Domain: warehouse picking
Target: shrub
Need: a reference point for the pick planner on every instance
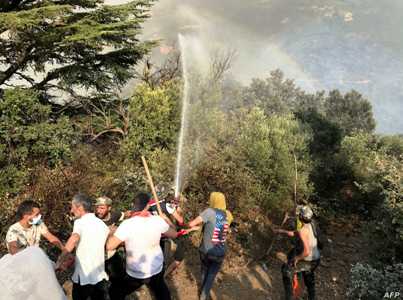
(371, 284)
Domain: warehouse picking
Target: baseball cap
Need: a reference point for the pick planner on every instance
(103, 201)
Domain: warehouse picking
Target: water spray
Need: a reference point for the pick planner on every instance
(185, 100)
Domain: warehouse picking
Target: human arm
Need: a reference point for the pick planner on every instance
(66, 259)
(112, 229)
(53, 240)
(168, 221)
(127, 214)
(178, 216)
(120, 235)
(71, 243)
(13, 247)
(196, 222)
(112, 243)
(12, 241)
(283, 231)
(171, 233)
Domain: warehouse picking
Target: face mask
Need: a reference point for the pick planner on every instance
(36, 220)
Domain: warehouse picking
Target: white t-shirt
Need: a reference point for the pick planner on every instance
(142, 236)
(90, 253)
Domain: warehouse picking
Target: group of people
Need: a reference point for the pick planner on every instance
(118, 252)
(115, 253)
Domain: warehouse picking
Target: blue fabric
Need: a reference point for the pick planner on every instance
(210, 266)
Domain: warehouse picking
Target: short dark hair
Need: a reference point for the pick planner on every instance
(26, 208)
(140, 201)
(83, 200)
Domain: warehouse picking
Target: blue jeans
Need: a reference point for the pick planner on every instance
(210, 265)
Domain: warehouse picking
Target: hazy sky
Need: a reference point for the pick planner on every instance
(321, 44)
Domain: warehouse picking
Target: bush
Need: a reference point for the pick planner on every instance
(378, 177)
(154, 120)
(368, 283)
(29, 135)
(250, 157)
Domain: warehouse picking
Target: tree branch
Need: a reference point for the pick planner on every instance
(25, 77)
(21, 62)
(118, 130)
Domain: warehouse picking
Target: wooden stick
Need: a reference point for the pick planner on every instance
(296, 180)
(151, 183)
(276, 237)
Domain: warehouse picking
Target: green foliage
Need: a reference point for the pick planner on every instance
(71, 45)
(387, 225)
(368, 283)
(379, 179)
(154, 120)
(392, 144)
(269, 145)
(323, 146)
(351, 112)
(275, 94)
(358, 152)
(29, 135)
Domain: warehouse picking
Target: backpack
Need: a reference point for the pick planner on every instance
(318, 235)
(219, 234)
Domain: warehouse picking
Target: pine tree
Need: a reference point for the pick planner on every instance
(74, 47)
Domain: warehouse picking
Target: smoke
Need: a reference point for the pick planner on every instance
(321, 44)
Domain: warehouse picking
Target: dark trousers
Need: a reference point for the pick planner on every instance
(210, 266)
(126, 286)
(308, 273)
(115, 266)
(97, 291)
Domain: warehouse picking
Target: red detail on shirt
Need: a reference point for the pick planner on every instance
(216, 234)
(142, 213)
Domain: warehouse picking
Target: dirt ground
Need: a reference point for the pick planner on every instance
(262, 280)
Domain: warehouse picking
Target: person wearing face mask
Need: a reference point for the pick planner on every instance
(29, 229)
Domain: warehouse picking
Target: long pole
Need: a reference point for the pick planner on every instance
(151, 183)
(296, 180)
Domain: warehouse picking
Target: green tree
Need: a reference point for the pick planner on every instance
(324, 144)
(275, 94)
(28, 135)
(268, 146)
(70, 46)
(393, 144)
(351, 112)
(153, 119)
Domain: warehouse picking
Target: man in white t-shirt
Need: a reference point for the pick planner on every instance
(144, 259)
(89, 237)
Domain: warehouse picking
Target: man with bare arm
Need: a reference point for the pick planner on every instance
(305, 257)
(29, 229)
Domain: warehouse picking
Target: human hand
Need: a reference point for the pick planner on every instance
(194, 228)
(112, 229)
(278, 230)
(65, 261)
